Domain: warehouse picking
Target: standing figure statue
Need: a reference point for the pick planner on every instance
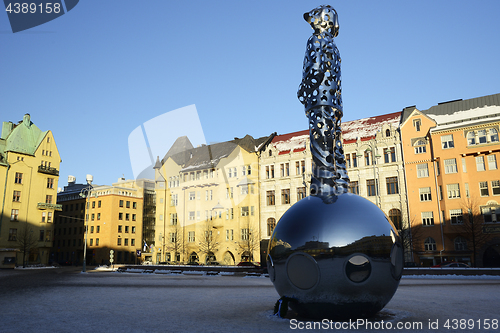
(320, 92)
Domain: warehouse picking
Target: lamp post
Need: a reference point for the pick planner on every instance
(85, 193)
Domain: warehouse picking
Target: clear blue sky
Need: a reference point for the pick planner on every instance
(98, 72)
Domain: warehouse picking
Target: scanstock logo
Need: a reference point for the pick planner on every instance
(31, 13)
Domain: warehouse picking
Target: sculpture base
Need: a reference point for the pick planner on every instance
(337, 260)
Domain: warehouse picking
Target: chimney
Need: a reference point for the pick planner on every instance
(7, 127)
(27, 120)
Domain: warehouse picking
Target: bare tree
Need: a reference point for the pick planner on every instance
(472, 225)
(209, 241)
(411, 237)
(176, 242)
(250, 240)
(27, 240)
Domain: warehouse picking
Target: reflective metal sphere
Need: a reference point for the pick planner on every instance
(338, 260)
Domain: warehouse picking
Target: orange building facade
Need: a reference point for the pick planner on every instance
(453, 181)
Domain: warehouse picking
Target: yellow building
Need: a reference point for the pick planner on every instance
(29, 173)
(208, 202)
(114, 215)
(450, 153)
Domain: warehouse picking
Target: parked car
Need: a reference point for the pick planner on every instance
(447, 264)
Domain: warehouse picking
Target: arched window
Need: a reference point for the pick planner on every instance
(271, 224)
(493, 135)
(395, 216)
(270, 152)
(430, 244)
(419, 147)
(387, 132)
(460, 244)
(471, 138)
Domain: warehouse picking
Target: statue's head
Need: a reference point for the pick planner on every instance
(323, 19)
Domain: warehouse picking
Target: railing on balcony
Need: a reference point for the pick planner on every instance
(44, 205)
(48, 170)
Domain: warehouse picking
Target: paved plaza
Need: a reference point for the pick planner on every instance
(65, 300)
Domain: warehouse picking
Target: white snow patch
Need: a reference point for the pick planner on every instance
(466, 114)
(35, 267)
(351, 130)
(295, 142)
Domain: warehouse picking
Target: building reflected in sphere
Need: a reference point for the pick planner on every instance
(335, 260)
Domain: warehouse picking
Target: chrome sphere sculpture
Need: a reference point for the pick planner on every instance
(333, 254)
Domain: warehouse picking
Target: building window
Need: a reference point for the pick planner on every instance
(121, 203)
(447, 141)
(427, 218)
(395, 216)
(127, 204)
(244, 211)
(173, 199)
(297, 168)
(430, 244)
(353, 187)
(481, 135)
(417, 123)
(456, 216)
(127, 217)
(92, 217)
(271, 224)
(348, 160)
(17, 196)
(98, 228)
(119, 229)
(471, 138)
(133, 229)
(191, 215)
(480, 163)
(125, 242)
(495, 187)
(387, 132)
(282, 170)
(118, 241)
(425, 194)
(244, 189)
(420, 147)
(50, 182)
(491, 213)
(13, 234)
(126, 229)
(303, 166)
(48, 199)
(392, 185)
(191, 237)
(390, 155)
(450, 166)
(270, 198)
(192, 196)
(301, 193)
(92, 241)
(229, 234)
(244, 234)
(460, 244)
(483, 189)
(93, 204)
(173, 237)
(19, 178)
(120, 216)
(173, 219)
(492, 162)
(98, 216)
(134, 205)
(354, 161)
(267, 172)
(43, 216)
(464, 166)
(370, 186)
(422, 170)
(453, 191)
(285, 196)
(272, 171)
(367, 157)
(14, 215)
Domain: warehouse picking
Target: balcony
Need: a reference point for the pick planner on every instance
(48, 170)
(43, 205)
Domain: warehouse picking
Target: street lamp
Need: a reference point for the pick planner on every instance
(85, 193)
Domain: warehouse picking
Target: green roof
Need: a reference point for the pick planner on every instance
(23, 138)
